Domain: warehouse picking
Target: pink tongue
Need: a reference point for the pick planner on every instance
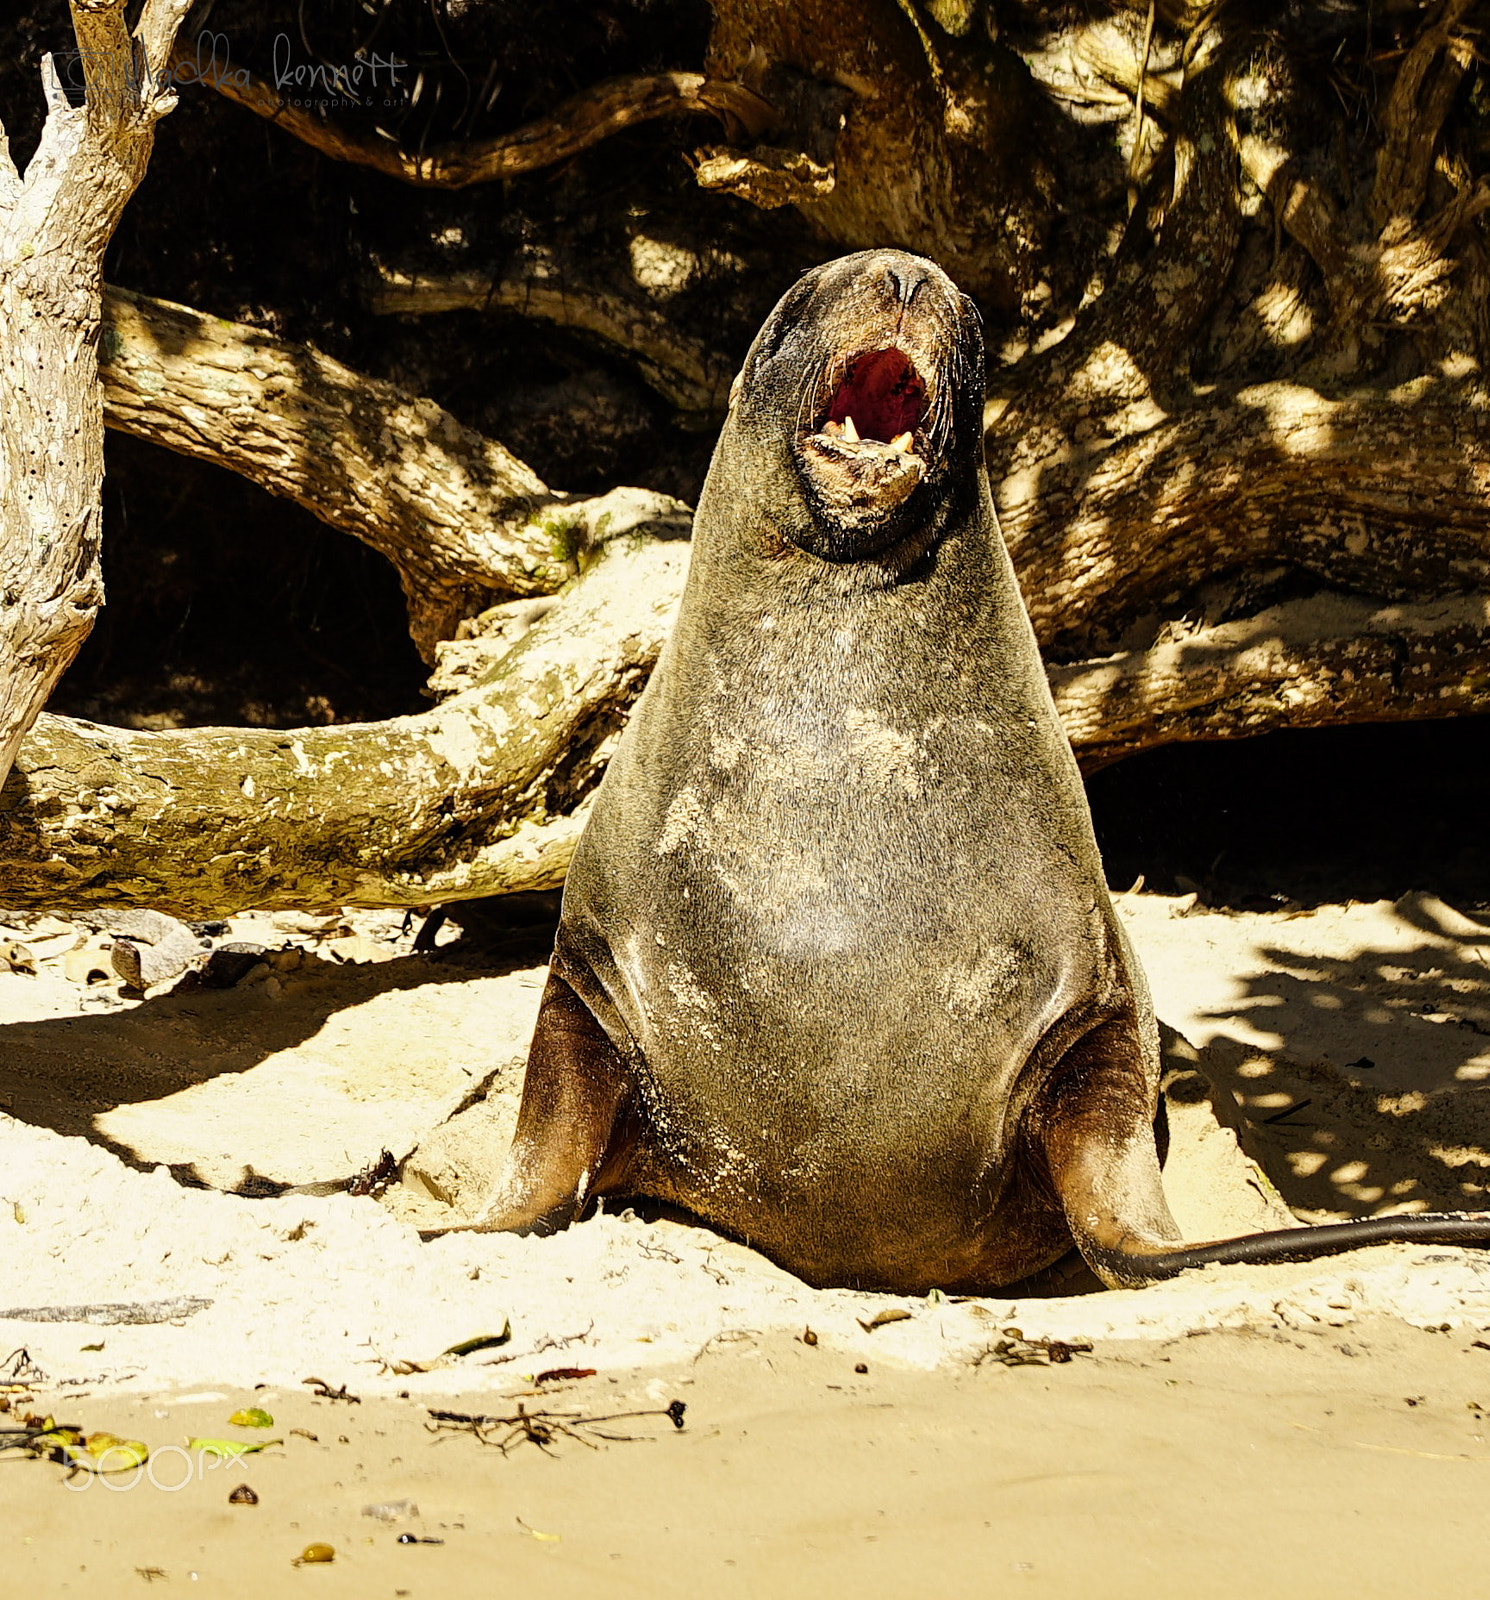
(882, 394)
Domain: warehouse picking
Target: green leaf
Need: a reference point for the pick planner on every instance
(251, 1417)
(482, 1341)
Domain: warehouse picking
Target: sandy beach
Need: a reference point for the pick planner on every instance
(1315, 1425)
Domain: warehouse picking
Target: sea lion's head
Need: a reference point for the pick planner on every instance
(868, 377)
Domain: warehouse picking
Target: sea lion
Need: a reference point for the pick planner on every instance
(836, 968)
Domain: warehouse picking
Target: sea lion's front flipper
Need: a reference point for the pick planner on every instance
(573, 1133)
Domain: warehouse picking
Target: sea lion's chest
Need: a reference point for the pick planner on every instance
(822, 871)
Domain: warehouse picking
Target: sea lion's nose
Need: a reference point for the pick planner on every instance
(906, 279)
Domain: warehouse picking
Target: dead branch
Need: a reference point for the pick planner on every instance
(1104, 48)
(767, 176)
(55, 222)
(462, 520)
(482, 795)
(575, 125)
(684, 371)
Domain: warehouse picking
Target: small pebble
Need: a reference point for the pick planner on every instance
(243, 1496)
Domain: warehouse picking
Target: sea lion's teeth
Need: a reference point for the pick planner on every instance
(834, 428)
(850, 432)
(901, 442)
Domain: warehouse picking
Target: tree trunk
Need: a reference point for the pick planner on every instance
(892, 131)
(55, 222)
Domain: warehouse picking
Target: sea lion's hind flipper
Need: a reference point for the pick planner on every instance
(574, 1129)
(1099, 1153)
(1093, 1123)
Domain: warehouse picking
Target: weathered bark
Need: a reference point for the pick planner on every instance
(463, 521)
(1383, 492)
(900, 135)
(581, 121)
(684, 371)
(1380, 263)
(1310, 663)
(55, 221)
(482, 795)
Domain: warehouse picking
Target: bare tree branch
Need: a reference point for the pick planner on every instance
(1123, 349)
(462, 520)
(160, 22)
(684, 371)
(1422, 92)
(575, 125)
(486, 794)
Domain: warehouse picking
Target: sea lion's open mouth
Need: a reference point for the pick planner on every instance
(880, 400)
(868, 445)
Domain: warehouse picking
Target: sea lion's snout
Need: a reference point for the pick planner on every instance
(882, 344)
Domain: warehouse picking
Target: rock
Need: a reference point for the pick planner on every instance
(230, 964)
(151, 948)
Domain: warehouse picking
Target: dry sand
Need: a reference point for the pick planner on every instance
(1230, 1432)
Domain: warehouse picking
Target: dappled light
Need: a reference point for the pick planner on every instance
(1355, 1041)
